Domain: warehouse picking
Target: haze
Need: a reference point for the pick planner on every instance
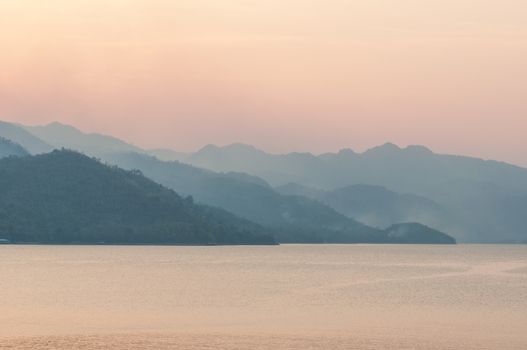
(284, 75)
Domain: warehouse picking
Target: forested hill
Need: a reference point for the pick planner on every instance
(65, 197)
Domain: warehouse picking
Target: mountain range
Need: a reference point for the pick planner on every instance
(252, 198)
(64, 197)
(484, 201)
(472, 199)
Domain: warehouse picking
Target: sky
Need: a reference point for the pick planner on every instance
(283, 75)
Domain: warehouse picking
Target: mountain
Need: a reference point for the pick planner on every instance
(476, 190)
(66, 197)
(276, 169)
(64, 136)
(252, 199)
(27, 140)
(297, 166)
(379, 207)
(414, 169)
(9, 148)
(294, 219)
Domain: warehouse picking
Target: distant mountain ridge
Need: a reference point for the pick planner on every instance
(480, 196)
(60, 135)
(479, 192)
(64, 197)
(333, 170)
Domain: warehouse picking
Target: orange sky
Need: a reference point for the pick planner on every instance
(313, 75)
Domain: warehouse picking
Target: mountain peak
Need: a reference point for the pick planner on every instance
(391, 149)
(346, 152)
(387, 148)
(208, 148)
(390, 146)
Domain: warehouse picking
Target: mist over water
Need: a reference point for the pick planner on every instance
(278, 297)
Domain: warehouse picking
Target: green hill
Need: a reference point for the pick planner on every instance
(65, 197)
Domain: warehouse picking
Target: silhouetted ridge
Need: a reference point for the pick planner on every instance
(476, 196)
(347, 152)
(387, 149)
(65, 136)
(66, 197)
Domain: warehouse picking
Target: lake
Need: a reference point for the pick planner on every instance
(264, 297)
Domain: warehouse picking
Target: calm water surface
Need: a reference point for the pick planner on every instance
(283, 297)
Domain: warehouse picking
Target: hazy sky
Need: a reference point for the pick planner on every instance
(314, 75)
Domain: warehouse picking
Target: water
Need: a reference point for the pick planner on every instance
(283, 297)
